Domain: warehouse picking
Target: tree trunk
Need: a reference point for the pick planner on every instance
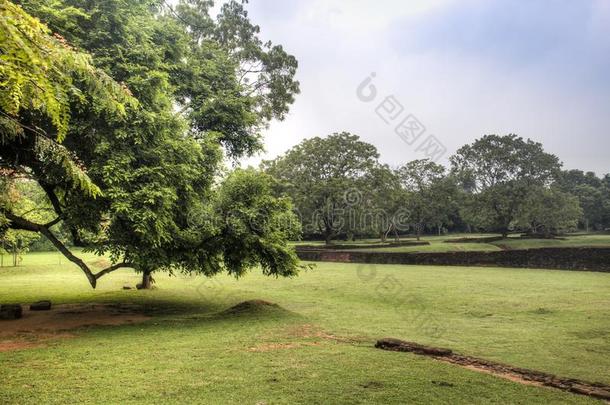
(386, 232)
(147, 280)
(329, 232)
(418, 231)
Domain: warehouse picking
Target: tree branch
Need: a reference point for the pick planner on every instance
(112, 268)
(52, 223)
(26, 225)
(50, 192)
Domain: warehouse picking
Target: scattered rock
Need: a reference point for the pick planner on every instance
(372, 385)
(11, 311)
(402, 346)
(127, 287)
(41, 306)
(442, 383)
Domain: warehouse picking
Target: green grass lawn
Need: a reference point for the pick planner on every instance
(568, 241)
(437, 246)
(554, 321)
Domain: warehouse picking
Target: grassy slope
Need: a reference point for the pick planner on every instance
(570, 241)
(549, 320)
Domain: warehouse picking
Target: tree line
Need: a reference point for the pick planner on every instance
(498, 184)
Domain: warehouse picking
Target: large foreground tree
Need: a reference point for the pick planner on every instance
(159, 168)
(44, 79)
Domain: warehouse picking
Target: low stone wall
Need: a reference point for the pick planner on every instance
(582, 259)
(367, 246)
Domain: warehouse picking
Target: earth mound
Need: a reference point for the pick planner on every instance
(253, 307)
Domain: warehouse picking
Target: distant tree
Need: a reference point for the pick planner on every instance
(606, 202)
(590, 192)
(430, 195)
(591, 200)
(444, 206)
(17, 196)
(499, 172)
(328, 180)
(385, 213)
(549, 211)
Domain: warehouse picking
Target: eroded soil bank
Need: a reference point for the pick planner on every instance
(520, 375)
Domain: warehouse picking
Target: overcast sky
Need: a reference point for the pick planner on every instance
(462, 68)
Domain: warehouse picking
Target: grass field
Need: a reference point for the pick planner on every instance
(568, 241)
(318, 347)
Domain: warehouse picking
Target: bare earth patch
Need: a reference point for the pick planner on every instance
(10, 345)
(38, 327)
(298, 336)
(268, 347)
(316, 336)
(308, 331)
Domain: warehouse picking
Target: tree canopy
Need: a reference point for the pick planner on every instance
(158, 164)
(498, 173)
(43, 78)
(431, 196)
(328, 179)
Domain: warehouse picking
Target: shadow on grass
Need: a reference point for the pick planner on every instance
(122, 320)
(181, 315)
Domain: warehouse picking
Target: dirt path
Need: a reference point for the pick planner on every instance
(38, 327)
(516, 374)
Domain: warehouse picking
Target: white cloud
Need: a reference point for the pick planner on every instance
(364, 15)
(459, 94)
